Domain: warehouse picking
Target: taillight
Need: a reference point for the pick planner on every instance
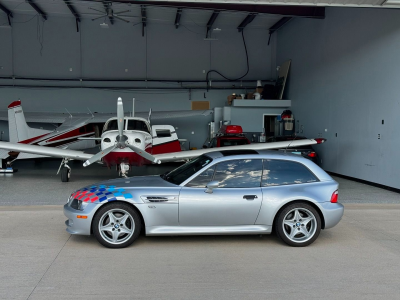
(312, 154)
(320, 140)
(335, 196)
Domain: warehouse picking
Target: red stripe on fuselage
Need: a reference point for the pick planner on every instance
(28, 141)
(69, 134)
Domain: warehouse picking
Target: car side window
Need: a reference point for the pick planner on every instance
(201, 180)
(240, 173)
(283, 172)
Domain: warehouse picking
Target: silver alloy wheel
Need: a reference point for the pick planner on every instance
(299, 225)
(116, 226)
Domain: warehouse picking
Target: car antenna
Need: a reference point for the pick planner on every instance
(295, 135)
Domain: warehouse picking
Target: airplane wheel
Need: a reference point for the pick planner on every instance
(65, 174)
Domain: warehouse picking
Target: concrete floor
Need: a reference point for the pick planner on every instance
(358, 259)
(36, 183)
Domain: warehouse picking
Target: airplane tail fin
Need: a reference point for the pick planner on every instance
(19, 130)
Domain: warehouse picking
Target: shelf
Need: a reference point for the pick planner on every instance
(261, 103)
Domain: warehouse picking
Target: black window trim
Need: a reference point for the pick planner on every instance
(268, 159)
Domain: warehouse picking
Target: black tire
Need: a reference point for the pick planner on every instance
(65, 174)
(313, 227)
(115, 208)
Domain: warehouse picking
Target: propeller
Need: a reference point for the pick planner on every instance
(122, 141)
(144, 154)
(99, 155)
(120, 115)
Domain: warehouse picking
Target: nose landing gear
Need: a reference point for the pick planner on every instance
(123, 169)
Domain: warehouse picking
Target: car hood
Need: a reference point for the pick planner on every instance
(135, 182)
(119, 189)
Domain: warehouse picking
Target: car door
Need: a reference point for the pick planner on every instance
(236, 201)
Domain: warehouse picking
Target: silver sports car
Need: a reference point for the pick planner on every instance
(222, 192)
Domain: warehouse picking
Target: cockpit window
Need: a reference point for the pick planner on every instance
(113, 125)
(132, 125)
(137, 125)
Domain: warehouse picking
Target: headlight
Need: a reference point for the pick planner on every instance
(78, 204)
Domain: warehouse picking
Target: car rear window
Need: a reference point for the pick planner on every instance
(283, 172)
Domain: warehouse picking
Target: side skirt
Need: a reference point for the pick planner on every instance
(208, 230)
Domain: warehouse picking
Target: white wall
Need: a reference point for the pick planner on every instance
(345, 77)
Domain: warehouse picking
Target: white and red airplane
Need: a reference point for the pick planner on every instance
(84, 131)
(125, 142)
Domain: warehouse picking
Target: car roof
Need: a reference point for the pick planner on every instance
(269, 154)
(241, 153)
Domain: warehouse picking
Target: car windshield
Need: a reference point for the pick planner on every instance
(182, 173)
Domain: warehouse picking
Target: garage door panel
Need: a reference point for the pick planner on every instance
(51, 52)
(106, 53)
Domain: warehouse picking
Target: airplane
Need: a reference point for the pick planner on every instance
(83, 131)
(131, 141)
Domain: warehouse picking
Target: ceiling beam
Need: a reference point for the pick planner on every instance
(211, 21)
(249, 18)
(178, 17)
(6, 10)
(143, 10)
(277, 25)
(73, 10)
(38, 10)
(284, 10)
(107, 7)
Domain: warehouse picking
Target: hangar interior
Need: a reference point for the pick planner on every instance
(57, 61)
(197, 58)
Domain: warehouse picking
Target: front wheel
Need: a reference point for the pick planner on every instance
(116, 225)
(298, 225)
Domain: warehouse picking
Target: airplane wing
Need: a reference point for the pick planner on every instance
(175, 156)
(59, 118)
(46, 151)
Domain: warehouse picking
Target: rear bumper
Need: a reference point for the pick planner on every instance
(77, 225)
(333, 213)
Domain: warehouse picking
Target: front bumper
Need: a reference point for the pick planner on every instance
(333, 213)
(77, 225)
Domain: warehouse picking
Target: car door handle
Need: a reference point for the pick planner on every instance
(250, 197)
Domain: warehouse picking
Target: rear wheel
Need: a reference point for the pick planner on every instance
(116, 225)
(65, 174)
(298, 225)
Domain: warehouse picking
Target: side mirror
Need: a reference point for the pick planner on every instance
(210, 186)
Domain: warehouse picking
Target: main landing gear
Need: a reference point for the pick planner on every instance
(64, 170)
